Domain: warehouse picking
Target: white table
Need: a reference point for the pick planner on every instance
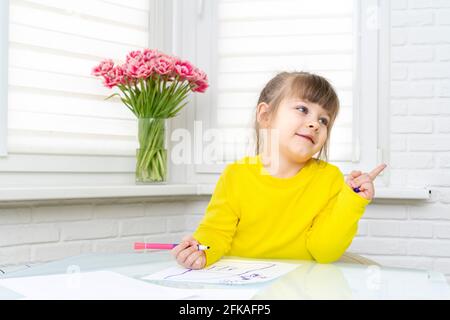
(309, 281)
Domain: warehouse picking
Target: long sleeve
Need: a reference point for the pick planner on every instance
(334, 228)
(219, 223)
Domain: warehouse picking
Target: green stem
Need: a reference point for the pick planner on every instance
(151, 165)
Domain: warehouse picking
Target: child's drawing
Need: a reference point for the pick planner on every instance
(227, 271)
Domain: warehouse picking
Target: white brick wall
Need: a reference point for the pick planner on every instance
(41, 233)
(416, 234)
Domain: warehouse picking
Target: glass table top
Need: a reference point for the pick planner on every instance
(310, 280)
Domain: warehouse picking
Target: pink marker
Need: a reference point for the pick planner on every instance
(162, 246)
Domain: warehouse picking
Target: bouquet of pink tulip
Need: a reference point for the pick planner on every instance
(154, 87)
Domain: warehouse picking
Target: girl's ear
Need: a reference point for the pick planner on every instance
(263, 114)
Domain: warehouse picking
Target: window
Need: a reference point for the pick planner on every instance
(4, 14)
(242, 44)
(61, 131)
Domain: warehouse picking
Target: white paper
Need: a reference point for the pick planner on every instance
(227, 271)
(98, 285)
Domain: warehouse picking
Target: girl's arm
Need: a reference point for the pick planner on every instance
(219, 223)
(336, 225)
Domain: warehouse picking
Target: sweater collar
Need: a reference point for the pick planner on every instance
(301, 177)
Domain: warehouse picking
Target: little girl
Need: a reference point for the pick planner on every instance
(283, 203)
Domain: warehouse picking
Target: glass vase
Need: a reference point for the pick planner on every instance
(151, 157)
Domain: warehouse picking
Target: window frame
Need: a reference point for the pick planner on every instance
(16, 166)
(4, 53)
(371, 84)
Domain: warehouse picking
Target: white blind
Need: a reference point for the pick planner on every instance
(257, 39)
(55, 105)
(4, 32)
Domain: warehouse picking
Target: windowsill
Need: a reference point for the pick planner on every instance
(164, 190)
(380, 192)
(97, 192)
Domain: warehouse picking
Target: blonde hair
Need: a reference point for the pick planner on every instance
(305, 86)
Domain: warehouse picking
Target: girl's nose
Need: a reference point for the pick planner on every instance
(313, 125)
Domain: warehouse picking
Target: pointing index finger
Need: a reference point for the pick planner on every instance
(375, 172)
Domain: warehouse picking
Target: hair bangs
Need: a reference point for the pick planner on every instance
(314, 89)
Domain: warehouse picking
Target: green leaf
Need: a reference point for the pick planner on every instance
(114, 94)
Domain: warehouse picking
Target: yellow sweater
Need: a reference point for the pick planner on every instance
(310, 216)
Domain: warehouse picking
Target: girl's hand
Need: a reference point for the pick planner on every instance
(187, 254)
(364, 181)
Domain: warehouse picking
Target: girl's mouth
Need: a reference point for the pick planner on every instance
(305, 137)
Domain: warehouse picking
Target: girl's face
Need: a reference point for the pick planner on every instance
(302, 129)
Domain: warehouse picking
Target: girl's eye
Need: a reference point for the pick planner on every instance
(324, 121)
(303, 108)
